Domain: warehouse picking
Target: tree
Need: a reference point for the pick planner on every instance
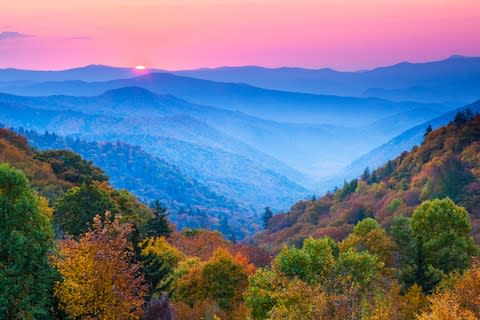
(369, 236)
(407, 253)
(100, 280)
(366, 174)
(158, 226)
(294, 263)
(69, 166)
(77, 207)
(224, 279)
(267, 215)
(361, 268)
(158, 309)
(261, 296)
(428, 130)
(26, 237)
(441, 230)
(159, 259)
(445, 306)
(217, 283)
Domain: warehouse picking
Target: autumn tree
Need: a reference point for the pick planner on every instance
(99, 279)
(369, 236)
(26, 237)
(445, 306)
(216, 284)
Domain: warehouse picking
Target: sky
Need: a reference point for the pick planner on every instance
(185, 34)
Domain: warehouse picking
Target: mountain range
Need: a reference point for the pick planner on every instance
(455, 79)
(237, 138)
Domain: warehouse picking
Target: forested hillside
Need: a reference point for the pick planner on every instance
(444, 165)
(151, 179)
(95, 252)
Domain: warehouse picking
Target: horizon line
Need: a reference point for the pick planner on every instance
(158, 69)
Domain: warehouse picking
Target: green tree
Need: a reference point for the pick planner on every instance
(293, 262)
(406, 249)
(261, 295)
(369, 236)
(26, 237)
(362, 268)
(158, 226)
(76, 208)
(441, 230)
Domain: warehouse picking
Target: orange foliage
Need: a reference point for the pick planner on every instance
(198, 243)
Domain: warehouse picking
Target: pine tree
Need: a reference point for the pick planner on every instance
(158, 226)
(428, 130)
(26, 237)
(267, 215)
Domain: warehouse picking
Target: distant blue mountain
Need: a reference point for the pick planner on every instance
(456, 79)
(314, 149)
(225, 165)
(87, 73)
(274, 105)
(403, 142)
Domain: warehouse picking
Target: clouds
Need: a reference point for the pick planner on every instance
(8, 35)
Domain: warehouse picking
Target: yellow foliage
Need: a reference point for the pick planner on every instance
(99, 281)
(159, 246)
(44, 208)
(412, 303)
(299, 301)
(445, 306)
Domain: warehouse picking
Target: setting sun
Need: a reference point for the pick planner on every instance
(140, 67)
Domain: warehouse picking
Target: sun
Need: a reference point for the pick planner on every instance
(140, 67)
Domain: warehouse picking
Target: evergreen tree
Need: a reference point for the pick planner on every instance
(366, 174)
(267, 215)
(26, 237)
(158, 226)
(428, 130)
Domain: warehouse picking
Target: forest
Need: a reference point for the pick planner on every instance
(400, 242)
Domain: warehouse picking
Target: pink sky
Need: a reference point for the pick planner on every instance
(180, 34)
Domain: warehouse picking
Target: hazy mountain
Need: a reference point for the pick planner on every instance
(403, 142)
(274, 105)
(456, 79)
(228, 166)
(87, 73)
(323, 150)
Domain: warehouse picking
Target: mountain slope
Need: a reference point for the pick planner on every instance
(446, 164)
(401, 143)
(151, 178)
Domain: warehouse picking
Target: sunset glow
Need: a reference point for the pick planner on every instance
(140, 67)
(168, 34)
